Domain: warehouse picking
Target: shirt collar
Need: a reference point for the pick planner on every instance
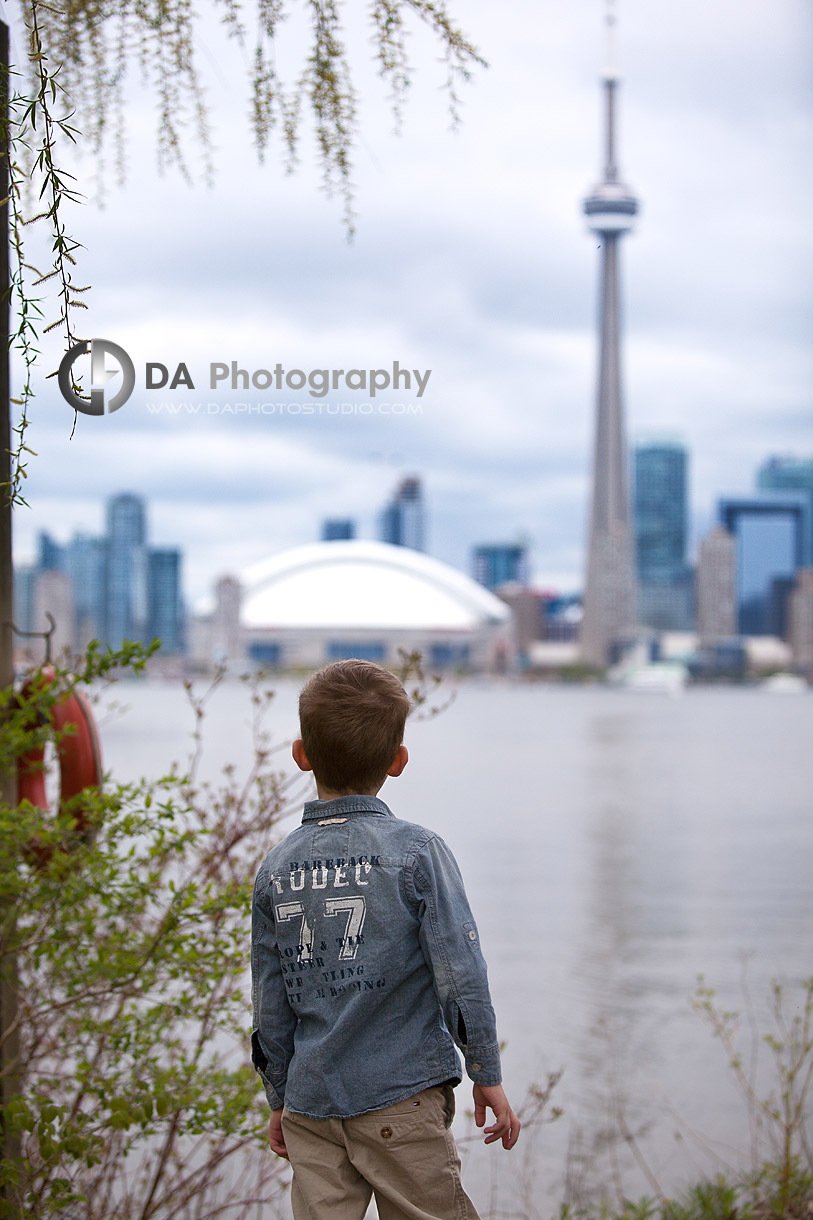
(344, 806)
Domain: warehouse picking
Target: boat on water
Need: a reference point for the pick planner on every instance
(663, 677)
(785, 684)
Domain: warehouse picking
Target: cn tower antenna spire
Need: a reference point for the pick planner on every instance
(610, 64)
(610, 78)
(609, 595)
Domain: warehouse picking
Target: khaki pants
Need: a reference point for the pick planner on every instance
(405, 1155)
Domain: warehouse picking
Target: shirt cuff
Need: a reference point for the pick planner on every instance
(274, 1100)
(483, 1064)
(275, 1095)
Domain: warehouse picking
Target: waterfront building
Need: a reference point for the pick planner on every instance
(716, 579)
(402, 519)
(51, 556)
(495, 564)
(53, 594)
(24, 583)
(227, 645)
(609, 596)
(338, 529)
(85, 563)
(165, 608)
(563, 617)
(660, 512)
(384, 599)
(781, 474)
(800, 621)
(528, 608)
(126, 594)
(771, 533)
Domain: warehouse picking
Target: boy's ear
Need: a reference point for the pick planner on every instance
(299, 756)
(399, 762)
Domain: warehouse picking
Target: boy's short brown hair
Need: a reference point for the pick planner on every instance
(351, 717)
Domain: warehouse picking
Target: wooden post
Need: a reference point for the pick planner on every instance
(9, 1036)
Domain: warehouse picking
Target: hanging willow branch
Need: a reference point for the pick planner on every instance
(97, 48)
(38, 124)
(81, 54)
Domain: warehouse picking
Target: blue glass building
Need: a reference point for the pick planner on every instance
(781, 474)
(126, 598)
(165, 610)
(24, 582)
(402, 520)
(772, 534)
(85, 563)
(498, 564)
(660, 513)
(51, 556)
(338, 529)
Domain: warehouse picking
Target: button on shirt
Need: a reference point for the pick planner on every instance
(366, 965)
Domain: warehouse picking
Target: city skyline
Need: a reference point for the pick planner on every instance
(471, 260)
(109, 587)
(777, 541)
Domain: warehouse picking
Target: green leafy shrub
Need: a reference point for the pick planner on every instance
(124, 957)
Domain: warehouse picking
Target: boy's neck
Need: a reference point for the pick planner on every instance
(325, 794)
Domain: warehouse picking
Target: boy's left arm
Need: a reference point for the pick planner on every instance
(451, 944)
(274, 1021)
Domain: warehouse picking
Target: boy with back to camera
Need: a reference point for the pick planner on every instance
(366, 969)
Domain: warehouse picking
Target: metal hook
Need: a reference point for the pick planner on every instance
(41, 635)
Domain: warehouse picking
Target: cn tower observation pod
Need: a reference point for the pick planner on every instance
(610, 208)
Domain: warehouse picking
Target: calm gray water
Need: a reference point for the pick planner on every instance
(615, 846)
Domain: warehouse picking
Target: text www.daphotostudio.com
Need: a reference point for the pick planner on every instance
(282, 409)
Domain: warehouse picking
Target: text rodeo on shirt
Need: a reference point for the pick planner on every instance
(309, 961)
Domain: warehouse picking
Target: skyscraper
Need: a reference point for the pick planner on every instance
(402, 520)
(609, 597)
(500, 564)
(790, 474)
(165, 611)
(126, 600)
(227, 637)
(51, 554)
(338, 529)
(25, 580)
(660, 509)
(85, 562)
(771, 533)
(717, 587)
(800, 621)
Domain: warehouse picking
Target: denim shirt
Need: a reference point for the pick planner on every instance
(366, 965)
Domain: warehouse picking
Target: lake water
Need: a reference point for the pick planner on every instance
(615, 846)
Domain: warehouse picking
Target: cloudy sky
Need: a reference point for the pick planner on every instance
(472, 260)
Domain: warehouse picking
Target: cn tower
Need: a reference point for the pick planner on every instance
(609, 595)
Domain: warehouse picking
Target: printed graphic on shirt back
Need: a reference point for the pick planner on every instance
(322, 954)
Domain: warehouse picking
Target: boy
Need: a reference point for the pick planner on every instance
(365, 967)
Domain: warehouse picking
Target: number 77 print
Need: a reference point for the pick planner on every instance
(354, 907)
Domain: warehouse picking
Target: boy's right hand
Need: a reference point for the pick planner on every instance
(275, 1137)
(506, 1125)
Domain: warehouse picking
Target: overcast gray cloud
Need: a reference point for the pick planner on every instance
(471, 260)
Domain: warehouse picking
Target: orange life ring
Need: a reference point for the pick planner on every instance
(78, 751)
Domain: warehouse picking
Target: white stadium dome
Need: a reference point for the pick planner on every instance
(312, 604)
(366, 585)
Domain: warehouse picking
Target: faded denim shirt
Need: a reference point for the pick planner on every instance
(366, 965)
